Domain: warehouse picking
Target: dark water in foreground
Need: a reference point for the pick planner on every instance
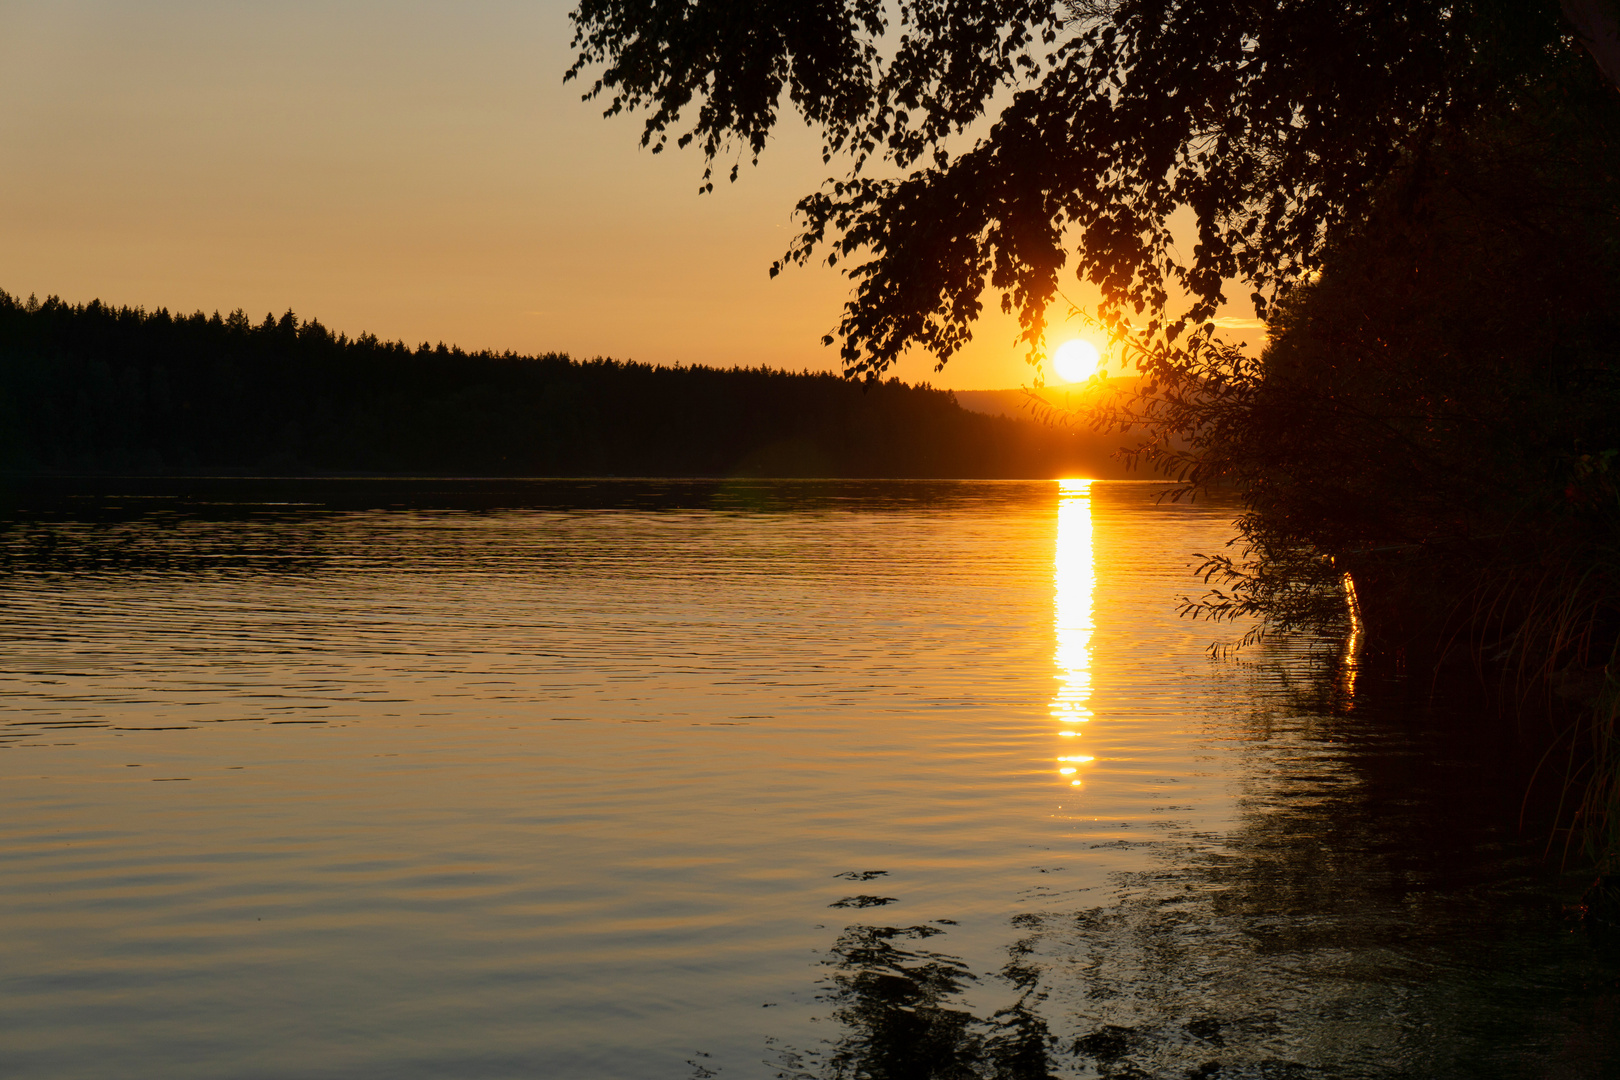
(647, 780)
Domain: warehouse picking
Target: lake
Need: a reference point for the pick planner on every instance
(665, 779)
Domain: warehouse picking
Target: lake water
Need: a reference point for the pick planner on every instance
(633, 779)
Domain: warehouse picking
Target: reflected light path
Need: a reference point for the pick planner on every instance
(1075, 576)
(1350, 659)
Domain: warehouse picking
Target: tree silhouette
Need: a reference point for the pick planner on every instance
(1272, 123)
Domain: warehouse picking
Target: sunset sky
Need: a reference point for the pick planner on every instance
(416, 170)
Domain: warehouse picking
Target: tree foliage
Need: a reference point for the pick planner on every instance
(1438, 410)
(1269, 122)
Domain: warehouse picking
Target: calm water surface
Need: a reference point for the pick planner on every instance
(646, 780)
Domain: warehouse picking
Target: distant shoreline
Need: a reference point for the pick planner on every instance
(93, 390)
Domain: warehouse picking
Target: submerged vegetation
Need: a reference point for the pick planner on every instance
(94, 389)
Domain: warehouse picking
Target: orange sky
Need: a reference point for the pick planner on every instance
(417, 170)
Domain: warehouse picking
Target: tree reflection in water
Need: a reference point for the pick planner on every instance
(900, 1007)
(1378, 912)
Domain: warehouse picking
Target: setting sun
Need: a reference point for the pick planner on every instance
(1076, 360)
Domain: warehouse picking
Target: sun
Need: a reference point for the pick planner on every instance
(1076, 360)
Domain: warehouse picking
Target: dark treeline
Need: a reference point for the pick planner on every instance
(90, 388)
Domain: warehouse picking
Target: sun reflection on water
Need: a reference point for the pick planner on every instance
(1075, 576)
(1350, 659)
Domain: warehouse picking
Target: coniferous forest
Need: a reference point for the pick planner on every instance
(90, 388)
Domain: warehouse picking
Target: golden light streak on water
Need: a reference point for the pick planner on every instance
(1075, 577)
(1350, 661)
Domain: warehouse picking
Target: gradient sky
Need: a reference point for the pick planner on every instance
(416, 170)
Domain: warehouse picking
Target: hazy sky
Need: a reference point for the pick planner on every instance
(417, 170)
